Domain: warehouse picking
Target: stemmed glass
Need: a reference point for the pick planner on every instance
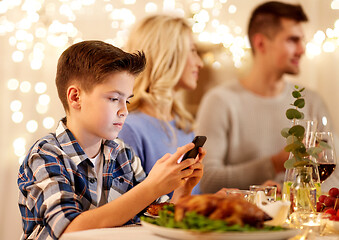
(327, 160)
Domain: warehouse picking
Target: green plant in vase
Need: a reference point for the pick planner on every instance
(302, 192)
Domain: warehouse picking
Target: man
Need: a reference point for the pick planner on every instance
(243, 119)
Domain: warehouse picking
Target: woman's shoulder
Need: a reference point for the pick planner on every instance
(139, 122)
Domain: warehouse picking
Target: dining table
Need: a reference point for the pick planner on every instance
(139, 232)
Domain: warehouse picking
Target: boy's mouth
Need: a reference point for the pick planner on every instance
(118, 125)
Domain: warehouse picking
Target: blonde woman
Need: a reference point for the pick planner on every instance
(158, 123)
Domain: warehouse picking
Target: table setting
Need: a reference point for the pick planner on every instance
(303, 212)
(270, 219)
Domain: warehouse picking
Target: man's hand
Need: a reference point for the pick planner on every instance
(278, 161)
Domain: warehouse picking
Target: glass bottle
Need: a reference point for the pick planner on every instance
(309, 141)
(303, 193)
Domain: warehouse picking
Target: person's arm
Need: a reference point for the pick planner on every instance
(165, 176)
(214, 120)
(278, 160)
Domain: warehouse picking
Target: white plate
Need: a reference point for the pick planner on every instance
(175, 233)
(333, 225)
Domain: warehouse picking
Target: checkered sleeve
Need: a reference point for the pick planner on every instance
(135, 162)
(47, 199)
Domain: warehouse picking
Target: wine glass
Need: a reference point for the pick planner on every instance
(327, 160)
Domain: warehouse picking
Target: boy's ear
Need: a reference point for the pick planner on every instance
(73, 97)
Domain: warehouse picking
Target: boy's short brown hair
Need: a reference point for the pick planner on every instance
(88, 63)
(266, 18)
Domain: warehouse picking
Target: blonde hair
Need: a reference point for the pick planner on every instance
(165, 40)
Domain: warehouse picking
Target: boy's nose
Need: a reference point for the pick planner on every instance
(123, 112)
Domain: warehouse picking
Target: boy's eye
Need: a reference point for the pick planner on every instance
(128, 102)
(113, 99)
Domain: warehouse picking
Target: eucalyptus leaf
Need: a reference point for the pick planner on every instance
(297, 131)
(291, 139)
(292, 113)
(300, 103)
(324, 145)
(298, 156)
(284, 132)
(296, 94)
(302, 163)
(293, 146)
(295, 135)
(314, 151)
(288, 164)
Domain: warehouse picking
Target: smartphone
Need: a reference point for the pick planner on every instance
(198, 142)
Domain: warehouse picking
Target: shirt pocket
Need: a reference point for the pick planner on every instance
(120, 185)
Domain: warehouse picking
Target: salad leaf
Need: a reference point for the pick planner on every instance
(197, 222)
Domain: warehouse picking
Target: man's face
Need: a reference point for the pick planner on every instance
(286, 47)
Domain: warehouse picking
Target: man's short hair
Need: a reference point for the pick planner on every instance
(89, 63)
(266, 17)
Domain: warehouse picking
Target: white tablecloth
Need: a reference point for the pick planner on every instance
(132, 233)
(118, 233)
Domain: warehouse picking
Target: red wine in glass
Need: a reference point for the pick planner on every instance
(325, 170)
(327, 158)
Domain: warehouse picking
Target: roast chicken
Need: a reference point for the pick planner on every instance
(232, 209)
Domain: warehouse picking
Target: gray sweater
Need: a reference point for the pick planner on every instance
(243, 132)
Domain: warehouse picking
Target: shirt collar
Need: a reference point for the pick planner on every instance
(73, 149)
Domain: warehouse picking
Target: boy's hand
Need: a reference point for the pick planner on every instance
(192, 180)
(167, 174)
(197, 168)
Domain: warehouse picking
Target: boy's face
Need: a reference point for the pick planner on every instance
(287, 47)
(104, 109)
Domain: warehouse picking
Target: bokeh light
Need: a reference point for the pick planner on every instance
(44, 99)
(41, 109)
(15, 105)
(25, 86)
(19, 146)
(17, 117)
(40, 87)
(48, 122)
(32, 126)
(12, 84)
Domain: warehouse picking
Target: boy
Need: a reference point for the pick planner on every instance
(82, 177)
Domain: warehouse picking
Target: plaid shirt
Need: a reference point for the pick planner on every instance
(57, 181)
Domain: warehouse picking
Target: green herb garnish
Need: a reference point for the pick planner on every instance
(197, 222)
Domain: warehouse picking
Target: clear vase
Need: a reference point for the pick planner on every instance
(309, 141)
(290, 177)
(303, 193)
